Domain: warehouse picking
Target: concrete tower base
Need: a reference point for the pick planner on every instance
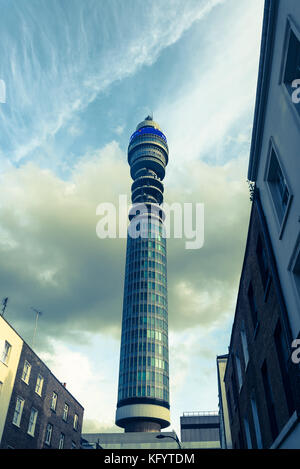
(142, 418)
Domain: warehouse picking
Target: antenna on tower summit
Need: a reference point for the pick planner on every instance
(4, 304)
(38, 313)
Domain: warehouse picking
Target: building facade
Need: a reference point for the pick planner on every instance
(274, 164)
(262, 376)
(225, 433)
(36, 409)
(143, 391)
(261, 380)
(10, 352)
(200, 430)
(130, 440)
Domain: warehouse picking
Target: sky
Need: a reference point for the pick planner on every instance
(79, 77)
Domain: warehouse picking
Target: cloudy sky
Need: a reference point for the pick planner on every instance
(79, 77)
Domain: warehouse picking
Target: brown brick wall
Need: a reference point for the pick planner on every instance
(261, 344)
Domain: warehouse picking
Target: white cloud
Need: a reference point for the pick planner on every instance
(90, 374)
(220, 91)
(67, 85)
(50, 255)
(51, 258)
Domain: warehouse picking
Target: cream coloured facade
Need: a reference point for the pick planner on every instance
(10, 351)
(225, 433)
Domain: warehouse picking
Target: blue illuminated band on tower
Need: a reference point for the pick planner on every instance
(146, 130)
(143, 392)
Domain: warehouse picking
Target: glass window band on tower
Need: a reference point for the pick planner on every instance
(143, 394)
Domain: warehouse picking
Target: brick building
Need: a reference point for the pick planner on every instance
(262, 374)
(262, 382)
(37, 411)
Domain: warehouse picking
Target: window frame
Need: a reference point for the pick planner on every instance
(40, 389)
(65, 413)
(272, 188)
(5, 354)
(54, 399)
(26, 378)
(32, 422)
(269, 399)
(61, 439)
(19, 413)
(48, 440)
(290, 29)
(76, 422)
(293, 270)
(263, 264)
(247, 432)
(256, 421)
(239, 372)
(245, 345)
(253, 307)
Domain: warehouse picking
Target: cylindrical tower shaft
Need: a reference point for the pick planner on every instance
(143, 396)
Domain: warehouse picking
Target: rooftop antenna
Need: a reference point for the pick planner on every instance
(38, 313)
(4, 304)
(150, 116)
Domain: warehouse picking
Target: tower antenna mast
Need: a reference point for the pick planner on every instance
(4, 304)
(38, 313)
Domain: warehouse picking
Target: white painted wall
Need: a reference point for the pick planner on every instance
(283, 124)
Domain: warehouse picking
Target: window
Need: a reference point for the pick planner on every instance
(262, 262)
(48, 436)
(239, 370)
(256, 421)
(66, 412)
(247, 432)
(75, 422)
(294, 267)
(18, 411)
(5, 352)
(283, 358)
(253, 306)
(61, 441)
(291, 65)
(26, 372)
(241, 440)
(53, 401)
(234, 391)
(229, 400)
(39, 385)
(269, 400)
(244, 344)
(279, 189)
(32, 422)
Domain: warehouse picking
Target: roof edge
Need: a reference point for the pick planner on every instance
(264, 70)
